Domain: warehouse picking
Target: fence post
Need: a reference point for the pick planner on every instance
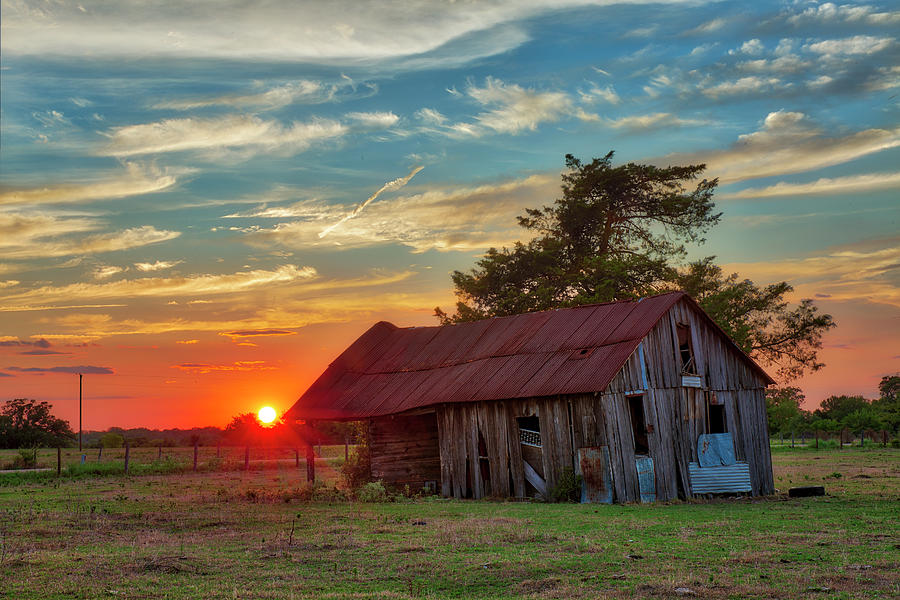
(58, 462)
(883, 438)
(100, 453)
(218, 451)
(246, 458)
(159, 452)
(195, 456)
(346, 448)
(817, 439)
(127, 448)
(296, 458)
(310, 463)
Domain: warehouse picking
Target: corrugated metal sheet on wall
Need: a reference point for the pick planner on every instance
(720, 480)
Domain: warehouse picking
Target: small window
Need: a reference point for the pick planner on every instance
(686, 350)
(638, 424)
(529, 431)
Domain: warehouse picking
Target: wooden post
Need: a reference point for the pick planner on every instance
(862, 437)
(58, 462)
(100, 453)
(195, 456)
(159, 452)
(841, 438)
(296, 458)
(346, 448)
(246, 458)
(34, 457)
(792, 438)
(126, 456)
(884, 438)
(310, 462)
(218, 451)
(817, 439)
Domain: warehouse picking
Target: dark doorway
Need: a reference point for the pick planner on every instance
(716, 414)
(638, 424)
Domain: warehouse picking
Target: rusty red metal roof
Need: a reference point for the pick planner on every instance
(390, 370)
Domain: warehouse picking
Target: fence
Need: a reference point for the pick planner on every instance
(183, 459)
(844, 437)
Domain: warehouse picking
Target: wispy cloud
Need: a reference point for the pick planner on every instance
(164, 287)
(85, 369)
(159, 265)
(652, 121)
(450, 219)
(513, 109)
(257, 333)
(852, 46)
(824, 185)
(390, 186)
(40, 235)
(138, 179)
(829, 12)
(789, 142)
(235, 131)
(240, 365)
(304, 91)
(868, 269)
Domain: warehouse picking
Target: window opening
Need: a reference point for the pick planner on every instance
(686, 350)
(716, 415)
(638, 424)
(529, 431)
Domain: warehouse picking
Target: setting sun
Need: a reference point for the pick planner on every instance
(267, 414)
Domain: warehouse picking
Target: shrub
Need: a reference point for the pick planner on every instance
(567, 488)
(372, 492)
(357, 469)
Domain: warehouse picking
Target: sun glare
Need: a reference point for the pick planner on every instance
(267, 414)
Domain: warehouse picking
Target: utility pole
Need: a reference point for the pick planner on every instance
(80, 375)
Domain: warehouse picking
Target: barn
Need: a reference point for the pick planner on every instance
(646, 399)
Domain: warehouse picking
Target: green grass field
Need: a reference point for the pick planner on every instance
(236, 534)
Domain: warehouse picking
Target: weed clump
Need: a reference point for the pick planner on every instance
(567, 488)
(373, 491)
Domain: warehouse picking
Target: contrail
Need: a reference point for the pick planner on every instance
(388, 187)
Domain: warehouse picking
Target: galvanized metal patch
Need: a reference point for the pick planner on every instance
(594, 468)
(719, 480)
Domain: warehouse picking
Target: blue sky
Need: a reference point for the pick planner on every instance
(175, 173)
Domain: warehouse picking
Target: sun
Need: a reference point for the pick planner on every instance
(267, 414)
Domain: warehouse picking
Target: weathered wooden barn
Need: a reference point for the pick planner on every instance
(647, 399)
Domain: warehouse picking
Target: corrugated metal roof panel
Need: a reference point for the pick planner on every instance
(537, 354)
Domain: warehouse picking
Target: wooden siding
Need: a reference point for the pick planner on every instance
(404, 449)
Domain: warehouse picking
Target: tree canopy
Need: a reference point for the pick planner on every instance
(26, 423)
(619, 233)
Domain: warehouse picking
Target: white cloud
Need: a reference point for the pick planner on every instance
(824, 185)
(832, 13)
(107, 271)
(852, 46)
(138, 179)
(374, 120)
(708, 27)
(340, 31)
(513, 109)
(752, 47)
(656, 120)
(159, 265)
(236, 131)
(431, 116)
(788, 142)
(607, 94)
(744, 85)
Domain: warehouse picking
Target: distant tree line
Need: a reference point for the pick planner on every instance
(855, 413)
(27, 423)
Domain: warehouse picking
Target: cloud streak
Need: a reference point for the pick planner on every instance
(138, 180)
(825, 185)
(390, 186)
